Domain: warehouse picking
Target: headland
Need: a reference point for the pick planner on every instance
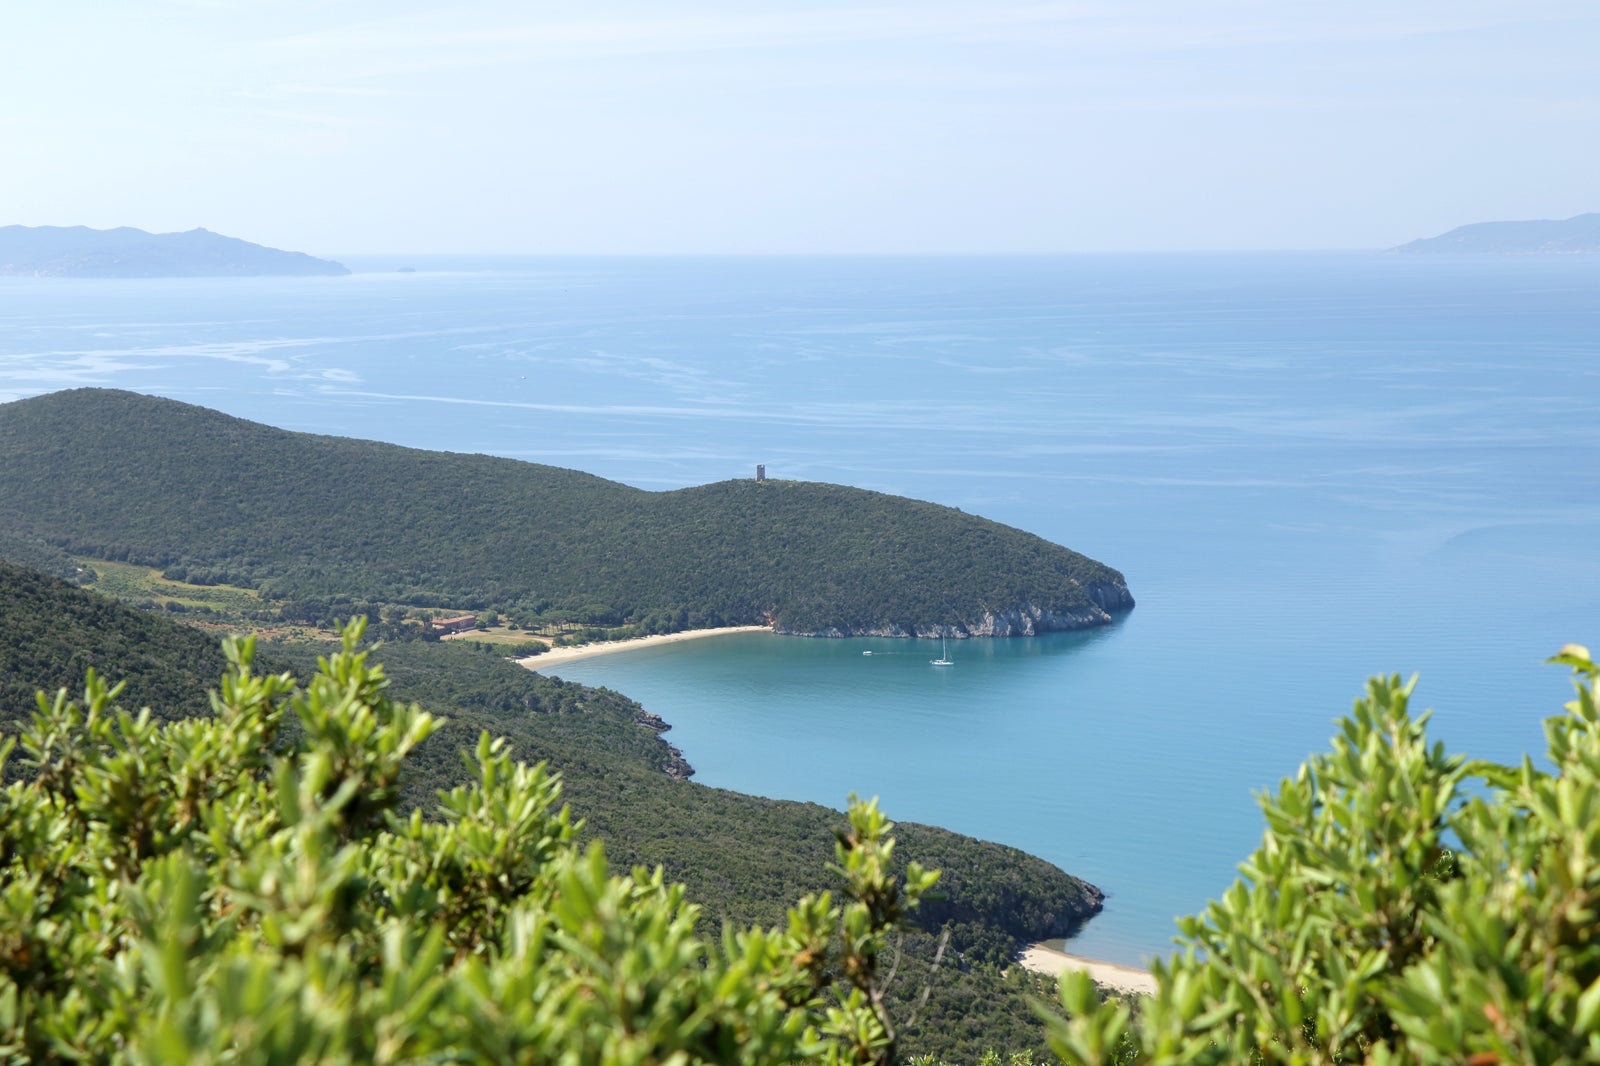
(125, 252)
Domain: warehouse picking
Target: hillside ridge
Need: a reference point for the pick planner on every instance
(114, 475)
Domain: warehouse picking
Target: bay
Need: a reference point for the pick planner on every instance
(1311, 468)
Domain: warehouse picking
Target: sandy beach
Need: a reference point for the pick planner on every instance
(556, 656)
(1041, 959)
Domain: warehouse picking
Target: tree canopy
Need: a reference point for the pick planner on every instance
(51, 634)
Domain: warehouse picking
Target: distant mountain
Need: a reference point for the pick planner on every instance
(1579, 235)
(81, 252)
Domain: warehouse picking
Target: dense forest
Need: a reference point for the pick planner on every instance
(36, 553)
(743, 859)
(304, 519)
(52, 633)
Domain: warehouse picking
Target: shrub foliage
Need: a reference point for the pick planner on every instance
(1405, 906)
(209, 890)
(741, 859)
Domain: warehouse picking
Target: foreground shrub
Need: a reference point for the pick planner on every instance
(1405, 906)
(210, 890)
(241, 888)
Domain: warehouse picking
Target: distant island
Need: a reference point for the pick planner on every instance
(125, 252)
(1579, 235)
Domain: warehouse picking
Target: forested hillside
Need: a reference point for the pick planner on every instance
(34, 552)
(304, 518)
(743, 859)
(52, 633)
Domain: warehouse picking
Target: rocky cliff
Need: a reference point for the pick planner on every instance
(1021, 620)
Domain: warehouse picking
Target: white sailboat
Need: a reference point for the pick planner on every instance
(944, 655)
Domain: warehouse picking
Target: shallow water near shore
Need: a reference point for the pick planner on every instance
(1311, 468)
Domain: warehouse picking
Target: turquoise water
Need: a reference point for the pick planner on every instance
(1311, 468)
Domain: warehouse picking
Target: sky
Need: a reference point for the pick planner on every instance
(799, 126)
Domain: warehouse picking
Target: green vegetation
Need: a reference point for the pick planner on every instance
(55, 633)
(742, 859)
(308, 873)
(204, 891)
(214, 500)
(251, 886)
(145, 586)
(35, 553)
(1406, 906)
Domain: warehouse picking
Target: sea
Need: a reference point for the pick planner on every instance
(1312, 468)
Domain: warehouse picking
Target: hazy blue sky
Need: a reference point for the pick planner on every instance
(347, 126)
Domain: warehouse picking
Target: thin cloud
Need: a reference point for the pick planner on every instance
(434, 35)
(1042, 43)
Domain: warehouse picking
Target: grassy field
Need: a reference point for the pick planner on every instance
(233, 608)
(500, 635)
(145, 586)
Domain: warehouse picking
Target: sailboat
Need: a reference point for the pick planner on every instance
(944, 655)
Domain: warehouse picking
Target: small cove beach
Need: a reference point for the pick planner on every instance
(556, 656)
(1042, 957)
(1045, 959)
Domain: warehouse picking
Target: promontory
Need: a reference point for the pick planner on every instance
(96, 474)
(1579, 235)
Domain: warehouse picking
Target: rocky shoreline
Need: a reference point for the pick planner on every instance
(676, 766)
(1023, 620)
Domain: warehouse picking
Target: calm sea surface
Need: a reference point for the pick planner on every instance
(1311, 469)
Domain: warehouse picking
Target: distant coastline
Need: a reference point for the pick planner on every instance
(1579, 235)
(556, 656)
(125, 252)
